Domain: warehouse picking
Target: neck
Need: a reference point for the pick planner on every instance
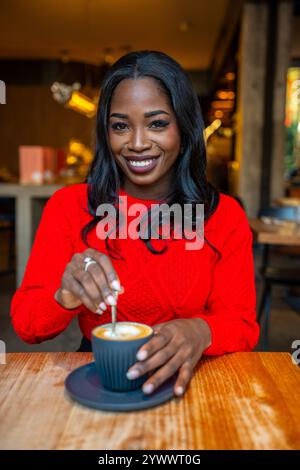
(155, 191)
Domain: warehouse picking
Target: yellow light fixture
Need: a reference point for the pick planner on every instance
(71, 98)
(78, 150)
(71, 160)
(209, 130)
(82, 104)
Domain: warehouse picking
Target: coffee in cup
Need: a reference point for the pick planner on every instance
(115, 352)
(124, 331)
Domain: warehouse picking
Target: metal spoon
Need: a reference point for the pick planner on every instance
(114, 313)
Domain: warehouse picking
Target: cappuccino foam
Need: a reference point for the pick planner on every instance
(123, 331)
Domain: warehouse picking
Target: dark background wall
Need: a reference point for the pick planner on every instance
(32, 117)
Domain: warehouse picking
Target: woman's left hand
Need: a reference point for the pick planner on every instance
(177, 345)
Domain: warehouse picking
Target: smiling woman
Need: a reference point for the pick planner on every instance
(150, 148)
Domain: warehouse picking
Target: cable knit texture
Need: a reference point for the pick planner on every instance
(179, 283)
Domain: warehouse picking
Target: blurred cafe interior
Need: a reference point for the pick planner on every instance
(243, 58)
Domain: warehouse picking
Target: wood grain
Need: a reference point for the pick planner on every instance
(236, 401)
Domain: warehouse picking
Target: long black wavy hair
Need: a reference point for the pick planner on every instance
(190, 185)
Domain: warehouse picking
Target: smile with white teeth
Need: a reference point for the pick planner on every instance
(143, 163)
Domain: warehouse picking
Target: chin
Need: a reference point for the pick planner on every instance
(143, 180)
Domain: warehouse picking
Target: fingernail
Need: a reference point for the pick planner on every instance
(141, 355)
(179, 390)
(111, 300)
(148, 388)
(116, 285)
(99, 311)
(102, 305)
(132, 374)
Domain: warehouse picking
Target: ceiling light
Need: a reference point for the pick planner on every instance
(71, 98)
(82, 104)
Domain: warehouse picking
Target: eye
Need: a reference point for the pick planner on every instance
(158, 124)
(119, 126)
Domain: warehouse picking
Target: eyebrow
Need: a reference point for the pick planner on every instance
(146, 115)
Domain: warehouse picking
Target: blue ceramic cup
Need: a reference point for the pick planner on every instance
(114, 355)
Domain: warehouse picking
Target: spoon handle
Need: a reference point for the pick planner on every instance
(114, 313)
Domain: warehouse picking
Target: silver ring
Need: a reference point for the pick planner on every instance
(88, 260)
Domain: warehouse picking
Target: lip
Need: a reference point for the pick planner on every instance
(140, 159)
(142, 169)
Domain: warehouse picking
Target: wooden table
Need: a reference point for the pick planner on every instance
(236, 401)
(288, 201)
(272, 234)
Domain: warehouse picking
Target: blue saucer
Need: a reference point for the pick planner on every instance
(83, 385)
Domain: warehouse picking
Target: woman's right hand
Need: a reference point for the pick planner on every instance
(94, 287)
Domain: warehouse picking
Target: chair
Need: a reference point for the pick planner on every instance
(7, 223)
(275, 275)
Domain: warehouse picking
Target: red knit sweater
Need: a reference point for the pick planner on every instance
(179, 283)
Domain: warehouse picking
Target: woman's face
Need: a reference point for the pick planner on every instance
(144, 136)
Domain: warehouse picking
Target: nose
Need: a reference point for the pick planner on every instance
(138, 141)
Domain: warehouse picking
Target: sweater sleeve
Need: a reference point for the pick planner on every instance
(36, 315)
(230, 309)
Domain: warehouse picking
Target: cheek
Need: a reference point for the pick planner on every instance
(115, 142)
(171, 141)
